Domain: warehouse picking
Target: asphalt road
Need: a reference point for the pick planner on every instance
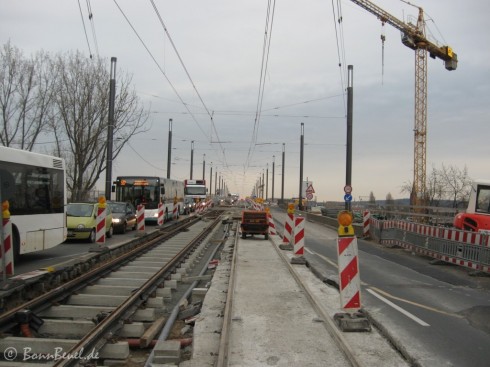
(438, 315)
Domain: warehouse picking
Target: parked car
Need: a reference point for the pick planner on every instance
(82, 221)
(316, 210)
(123, 216)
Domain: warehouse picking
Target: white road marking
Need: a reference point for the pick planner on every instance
(398, 308)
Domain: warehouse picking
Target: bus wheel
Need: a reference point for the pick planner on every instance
(91, 238)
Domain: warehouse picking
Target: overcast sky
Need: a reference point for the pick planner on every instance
(221, 45)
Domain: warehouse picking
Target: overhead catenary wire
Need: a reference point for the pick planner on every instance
(161, 70)
(263, 72)
(85, 29)
(92, 25)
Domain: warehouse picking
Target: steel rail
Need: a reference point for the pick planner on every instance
(225, 331)
(98, 336)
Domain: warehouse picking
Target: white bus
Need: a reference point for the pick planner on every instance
(195, 192)
(35, 187)
(149, 191)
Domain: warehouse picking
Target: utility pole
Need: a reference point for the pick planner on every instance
(204, 166)
(348, 171)
(211, 179)
(169, 154)
(273, 175)
(283, 165)
(192, 157)
(302, 143)
(110, 129)
(267, 183)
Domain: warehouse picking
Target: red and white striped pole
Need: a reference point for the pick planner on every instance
(366, 220)
(299, 236)
(160, 220)
(140, 213)
(100, 221)
(272, 227)
(349, 279)
(7, 246)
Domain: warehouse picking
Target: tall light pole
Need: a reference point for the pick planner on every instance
(267, 183)
(283, 165)
(348, 170)
(204, 166)
(192, 157)
(110, 129)
(169, 154)
(273, 175)
(211, 179)
(302, 143)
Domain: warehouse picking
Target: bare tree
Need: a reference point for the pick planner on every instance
(82, 105)
(25, 97)
(457, 184)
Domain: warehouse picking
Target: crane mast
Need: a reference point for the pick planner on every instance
(413, 36)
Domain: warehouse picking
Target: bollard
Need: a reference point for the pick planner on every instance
(349, 279)
(141, 218)
(299, 241)
(272, 226)
(366, 223)
(287, 235)
(160, 220)
(174, 212)
(7, 252)
(100, 221)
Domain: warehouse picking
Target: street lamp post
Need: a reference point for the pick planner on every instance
(192, 157)
(169, 155)
(110, 129)
(302, 143)
(273, 173)
(283, 165)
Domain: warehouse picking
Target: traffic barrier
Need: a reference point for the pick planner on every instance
(366, 220)
(100, 222)
(463, 248)
(299, 236)
(349, 280)
(288, 229)
(160, 220)
(174, 212)
(272, 226)
(7, 240)
(140, 212)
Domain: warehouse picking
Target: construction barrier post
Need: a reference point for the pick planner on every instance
(299, 241)
(366, 223)
(7, 245)
(140, 212)
(160, 220)
(100, 221)
(349, 279)
(288, 233)
(272, 226)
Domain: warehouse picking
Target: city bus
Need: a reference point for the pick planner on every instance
(195, 192)
(35, 187)
(149, 191)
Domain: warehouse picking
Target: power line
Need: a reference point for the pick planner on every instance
(84, 29)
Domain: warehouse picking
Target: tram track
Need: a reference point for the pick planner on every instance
(85, 317)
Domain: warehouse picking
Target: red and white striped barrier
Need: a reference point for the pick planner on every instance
(7, 243)
(287, 235)
(299, 236)
(349, 279)
(100, 224)
(272, 226)
(174, 212)
(366, 220)
(140, 214)
(160, 219)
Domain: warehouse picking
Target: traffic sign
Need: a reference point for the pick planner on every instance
(309, 196)
(310, 189)
(347, 189)
(347, 197)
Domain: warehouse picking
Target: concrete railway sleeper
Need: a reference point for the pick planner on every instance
(91, 319)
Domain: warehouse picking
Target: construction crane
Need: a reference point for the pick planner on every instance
(413, 36)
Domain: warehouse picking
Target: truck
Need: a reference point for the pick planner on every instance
(195, 193)
(476, 218)
(254, 222)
